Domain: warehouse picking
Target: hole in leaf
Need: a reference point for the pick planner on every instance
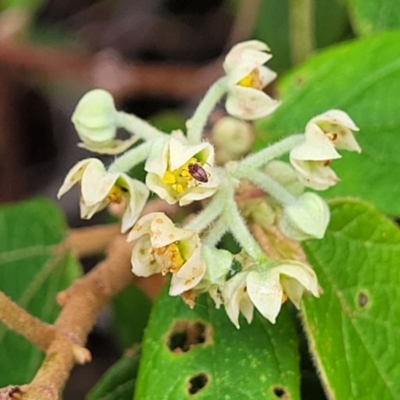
(280, 392)
(197, 382)
(184, 335)
(362, 299)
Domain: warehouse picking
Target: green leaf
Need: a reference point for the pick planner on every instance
(118, 382)
(372, 16)
(32, 5)
(31, 275)
(354, 328)
(198, 353)
(363, 79)
(131, 310)
(272, 27)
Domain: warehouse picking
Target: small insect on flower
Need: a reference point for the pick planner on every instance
(198, 172)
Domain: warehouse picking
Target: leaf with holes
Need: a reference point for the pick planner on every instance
(200, 354)
(31, 275)
(354, 328)
(363, 79)
(118, 382)
(372, 16)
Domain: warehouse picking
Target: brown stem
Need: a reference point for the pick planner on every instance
(20, 321)
(92, 240)
(81, 303)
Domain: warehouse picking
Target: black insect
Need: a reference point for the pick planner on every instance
(198, 172)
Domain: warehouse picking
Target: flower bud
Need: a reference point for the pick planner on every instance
(307, 218)
(285, 175)
(233, 139)
(95, 118)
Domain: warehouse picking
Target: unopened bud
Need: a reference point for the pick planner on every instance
(233, 139)
(307, 218)
(95, 118)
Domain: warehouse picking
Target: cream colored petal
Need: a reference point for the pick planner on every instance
(302, 273)
(315, 174)
(265, 291)
(156, 185)
(142, 226)
(249, 103)
(157, 162)
(247, 308)
(189, 275)
(180, 153)
(293, 289)
(87, 212)
(96, 183)
(74, 175)
(316, 146)
(136, 198)
(338, 117)
(233, 292)
(143, 264)
(252, 51)
(113, 147)
(163, 232)
(266, 75)
(339, 126)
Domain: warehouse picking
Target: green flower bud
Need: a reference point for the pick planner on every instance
(95, 118)
(233, 139)
(307, 218)
(284, 174)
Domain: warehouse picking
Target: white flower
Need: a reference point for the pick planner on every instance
(307, 218)
(311, 159)
(99, 188)
(267, 290)
(161, 248)
(95, 120)
(337, 127)
(218, 262)
(246, 78)
(178, 172)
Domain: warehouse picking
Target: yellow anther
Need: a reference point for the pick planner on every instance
(178, 188)
(253, 80)
(170, 258)
(174, 257)
(115, 195)
(169, 177)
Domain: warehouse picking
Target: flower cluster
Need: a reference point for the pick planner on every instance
(180, 169)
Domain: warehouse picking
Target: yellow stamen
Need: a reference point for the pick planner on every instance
(115, 195)
(169, 177)
(170, 258)
(180, 178)
(253, 79)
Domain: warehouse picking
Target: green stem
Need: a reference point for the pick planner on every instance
(263, 157)
(301, 29)
(216, 232)
(137, 126)
(268, 185)
(131, 158)
(210, 213)
(238, 227)
(196, 124)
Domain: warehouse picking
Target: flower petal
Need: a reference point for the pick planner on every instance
(74, 175)
(189, 275)
(143, 263)
(266, 293)
(249, 103)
